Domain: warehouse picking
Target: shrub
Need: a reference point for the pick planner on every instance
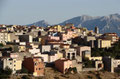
(8, 71)
(25, 77)
(1, 45)
(88, 63)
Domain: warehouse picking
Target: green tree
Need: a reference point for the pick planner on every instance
(114, 51)
(88, 63)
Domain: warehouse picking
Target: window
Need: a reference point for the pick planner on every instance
(73, 53)
(68, 54)
(73, 57)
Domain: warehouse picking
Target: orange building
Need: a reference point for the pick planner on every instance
(34, 65)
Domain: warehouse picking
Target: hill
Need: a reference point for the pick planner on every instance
(41, 23)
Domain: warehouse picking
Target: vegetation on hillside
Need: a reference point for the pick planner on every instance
(113, 51)
(5, 74)
(1, 45)
(88, 63)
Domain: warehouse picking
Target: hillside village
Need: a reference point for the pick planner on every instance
(66, 49)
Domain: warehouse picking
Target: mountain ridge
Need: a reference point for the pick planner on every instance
(110, 23)
(41, 23)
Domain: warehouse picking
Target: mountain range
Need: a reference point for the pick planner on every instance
(110, 23)
(41, 23)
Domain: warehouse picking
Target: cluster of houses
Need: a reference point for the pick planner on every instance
(38, 47)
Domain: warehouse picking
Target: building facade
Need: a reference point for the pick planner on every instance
(13, 63)
(34, 65)
(63, 65)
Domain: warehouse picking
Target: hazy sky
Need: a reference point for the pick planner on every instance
(53, 11)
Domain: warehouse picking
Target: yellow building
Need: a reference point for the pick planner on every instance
(57, 28)
(10, 28)
(95, 58)
(105, 43)
(39, 39)
(60, 55)
(18, 64)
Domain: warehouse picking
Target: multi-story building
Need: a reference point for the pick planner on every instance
(67, 42)
(45, 48)
(111, 64)
(53, 38)
(66, 36)
(25, 38)
(13, 37)
(99, 43)
(4, 37)
(111, 36)
(56, 28)
(34, 65)
(8, 37)
(84, 51)
(50, 57)
(13, 63)
(105, 43)
(69, 53)
(10, 28)
(34, 50)
(90, 38)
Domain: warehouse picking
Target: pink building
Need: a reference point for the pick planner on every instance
(53, 42)
(65, 46)
(14, 55)
(63, 65)
(67, 35)
(53, 38)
